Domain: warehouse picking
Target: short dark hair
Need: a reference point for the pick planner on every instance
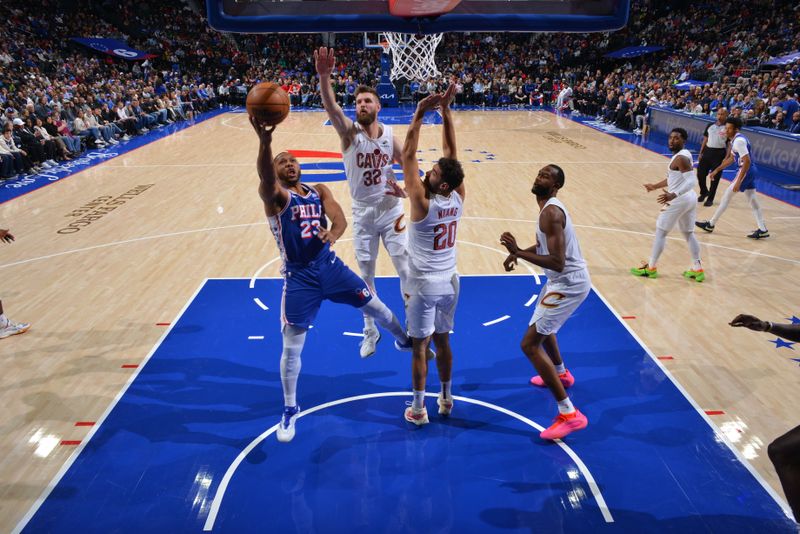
(367, 89)
(737, 122)
(560, 178)
(680, 131)
(451, 171)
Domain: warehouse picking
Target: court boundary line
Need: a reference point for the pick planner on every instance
(783, 505)
(99, 422)
(219, 495)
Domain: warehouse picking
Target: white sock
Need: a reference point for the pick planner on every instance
(565, 406)
(293, 340)
(419, 400)
(561, 368)
(383, 316)
(3, 320)
(755, 206)
(658, 247)
(446, 389)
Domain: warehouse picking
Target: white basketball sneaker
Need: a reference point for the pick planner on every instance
(370, 342)
(285, 431)
(417, 416)
(12, 329)
(445, 405)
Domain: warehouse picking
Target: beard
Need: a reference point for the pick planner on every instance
(290, 180)
(367, 118)
(427, 183)
(541, 191)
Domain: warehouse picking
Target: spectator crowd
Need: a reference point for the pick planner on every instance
(58, 99)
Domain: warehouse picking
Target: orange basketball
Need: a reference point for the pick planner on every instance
(268, 103)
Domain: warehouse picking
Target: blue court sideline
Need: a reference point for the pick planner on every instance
(212, 388)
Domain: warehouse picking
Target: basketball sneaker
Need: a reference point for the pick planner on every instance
(285, 431)
(565, 424)
(418, 417)
(695, 275)
(445, 405)
(705, 225)
(645, 271)
(404, 347)
(409, 346)
(566, 379)
(12, 329)
(758, 234)
(370, 342)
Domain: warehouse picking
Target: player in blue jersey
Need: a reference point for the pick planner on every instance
(298, 217)
(744, 181)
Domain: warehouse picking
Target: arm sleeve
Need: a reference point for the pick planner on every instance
(689, 179)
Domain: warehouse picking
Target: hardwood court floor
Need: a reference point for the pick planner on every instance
(187, 208)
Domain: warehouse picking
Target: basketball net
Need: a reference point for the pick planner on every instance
(412, 55)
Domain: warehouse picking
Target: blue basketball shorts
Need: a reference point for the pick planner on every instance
(305, 287)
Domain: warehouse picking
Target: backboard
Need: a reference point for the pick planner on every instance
(312, 16)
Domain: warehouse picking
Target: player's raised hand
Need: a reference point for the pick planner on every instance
(263, 131)
(429, 102)
(751, 322)
(324, 60)
(510, 242)
(509, 263)
(393, 189)
(5, 236)
(449, 95)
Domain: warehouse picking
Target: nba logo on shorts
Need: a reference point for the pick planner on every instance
(363, 294)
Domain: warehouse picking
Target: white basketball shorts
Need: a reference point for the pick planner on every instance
(681, 211)
(558, 300)
(429, 313)
(384, 220)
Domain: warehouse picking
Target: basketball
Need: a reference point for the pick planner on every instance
(268, 103)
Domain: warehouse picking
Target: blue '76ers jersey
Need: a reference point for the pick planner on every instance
(296, 227)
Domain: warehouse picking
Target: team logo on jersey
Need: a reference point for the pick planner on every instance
(363, 293)
(399, 225)
(552, 299)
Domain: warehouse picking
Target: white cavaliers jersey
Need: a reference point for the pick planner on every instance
(573, 259)
(675, 179)
(366, 164)
(432, 241)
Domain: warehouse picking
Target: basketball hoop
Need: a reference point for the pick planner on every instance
(412, 55)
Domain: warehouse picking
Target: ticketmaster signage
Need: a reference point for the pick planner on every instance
(778, 150)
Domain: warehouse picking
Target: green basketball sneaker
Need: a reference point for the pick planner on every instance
(645, 270)
(698, 275)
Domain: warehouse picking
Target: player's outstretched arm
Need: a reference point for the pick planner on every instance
(786, 331)
(335, 213)
(449, 132)
(725, 162)
(6, 236)
(271, 192)
(414, 186)
(325, 61)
